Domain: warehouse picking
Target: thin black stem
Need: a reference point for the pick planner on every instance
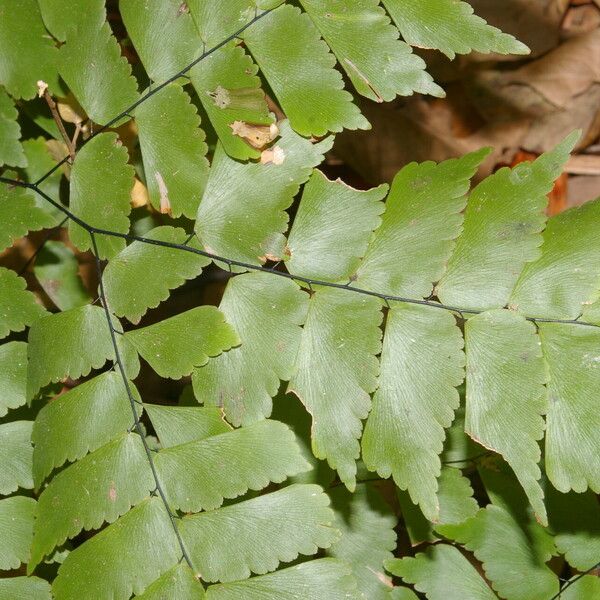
(575, 579)
(154, 90)
(254, 267)
(137, 425)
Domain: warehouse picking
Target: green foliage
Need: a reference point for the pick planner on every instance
(299, 68)
(92, 66)
(257, 534)
(345, 329)
(230, 91)
(503, 221)
(172, 346)
(267, 314)
(19, 306)
(173, 150)
(13, 371)
(372, 307)
(101, 170)
(16, 452)
(27, 54)
(19, 215)
(442, 572)
(359, 34)
(449, 26)
(131, 266)
(16, 526)
(57, 271)
(506, 393)
(11, 151)
(408, 449)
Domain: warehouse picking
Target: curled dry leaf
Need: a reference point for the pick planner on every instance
(139, 194)
(70, 110)
(258, 136)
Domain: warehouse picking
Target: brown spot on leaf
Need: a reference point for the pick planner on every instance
(112, 492)
(258, 136)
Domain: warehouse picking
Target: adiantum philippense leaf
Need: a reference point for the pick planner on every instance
(456, 502)
(288, 409)
(332, 228)
(179, 583)
(367, 524)
(581, 588)
(16, 530)
(27, 54)
(215, 25)
(313, 580)
(566, 277)
(80, 421)
(421, 364)
(266, 311)
(135, 551)
(57, 271)
(572, 423)
(442, 572)
(129, 290)
(71, 344)
(422, 218)
(574, 520)
(173, 151)
(175, 425)
(513, 559)
(503, 221)
(199, 475)
(149, 24)
(96, 73)
(101, 182)
(506, 396)
(367, 47)
(18, 306)
(62, 16)
(113, 478)
(449, 26)
(256, 535)
(174, 346)
(402, 593)
(336, 370)
(230, 92)
(15, 456)
(591, 312)
(19, 214)
(299, 67)
(13, 376)
(242, 213)
(25, 588)
(11, 151)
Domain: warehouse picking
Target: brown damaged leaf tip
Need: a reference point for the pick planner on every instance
(274, 155)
